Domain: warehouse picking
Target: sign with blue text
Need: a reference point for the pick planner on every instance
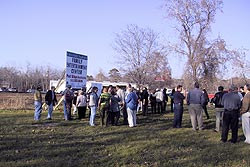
(76, 70)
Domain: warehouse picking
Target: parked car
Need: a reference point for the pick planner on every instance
(12, 90)
(31, 91)
(3, 89)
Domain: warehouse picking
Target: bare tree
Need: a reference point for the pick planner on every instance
(14, 77)
(114, 75)
(139, 54)
(204, 58)
(101, 76)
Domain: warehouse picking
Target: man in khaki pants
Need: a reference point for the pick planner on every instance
(195, 99)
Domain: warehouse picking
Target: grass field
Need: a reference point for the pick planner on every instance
(152, 143)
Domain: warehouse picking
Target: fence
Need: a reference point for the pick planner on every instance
(18, 101)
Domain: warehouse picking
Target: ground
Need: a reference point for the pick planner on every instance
(152, 143)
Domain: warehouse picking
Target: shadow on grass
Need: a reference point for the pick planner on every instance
(152, 143)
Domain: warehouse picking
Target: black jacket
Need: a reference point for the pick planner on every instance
(48, 98)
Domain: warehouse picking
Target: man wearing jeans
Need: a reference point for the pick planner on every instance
(68, 97)
(245, 112)
(50, 99)
(93, 104)
(38, 103)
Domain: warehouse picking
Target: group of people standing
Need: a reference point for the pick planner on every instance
(114, 101)
(229, 107)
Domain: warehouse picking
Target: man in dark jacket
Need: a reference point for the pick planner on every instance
(232, 103)
(144, 99)
(178, 98)
(50, 100)
(217, 100)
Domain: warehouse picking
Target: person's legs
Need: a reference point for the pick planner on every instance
(112, 118)
(92, 116)
(117, 117)
(106, 116)
(246, 126)
(217, 119)
(130, 117)
(125, 116)
(225, 126)
(84, 109)
(144, 109)
(205, 110)
(234, 126)
(80, 110)
(134, 118)
(192, 116)
(74, 109)
(176, 116)
(102, 115)
(199, 116)
(50, 110)
(179, 123)
(38, 110)
(65, 110)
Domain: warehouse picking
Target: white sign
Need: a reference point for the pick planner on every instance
(76, 70)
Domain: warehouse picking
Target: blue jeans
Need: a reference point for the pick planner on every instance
(178, 112)
(67, 111)
(92, 115)
(50, 110)
(38, 110)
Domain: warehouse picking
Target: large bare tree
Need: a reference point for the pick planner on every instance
(140, 56)
(205, 58)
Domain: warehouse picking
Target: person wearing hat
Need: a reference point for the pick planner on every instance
(232, 103)
(38, 103)
(50, 100)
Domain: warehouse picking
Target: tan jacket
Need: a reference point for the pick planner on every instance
(245, 103)
(38, 96)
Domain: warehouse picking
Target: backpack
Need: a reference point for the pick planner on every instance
(68, 96)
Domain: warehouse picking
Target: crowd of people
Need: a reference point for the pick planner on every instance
(114, 102)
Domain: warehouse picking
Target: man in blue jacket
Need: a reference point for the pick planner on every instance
(50, 99)
(131, 100)
(195, 100)
(232, 103)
